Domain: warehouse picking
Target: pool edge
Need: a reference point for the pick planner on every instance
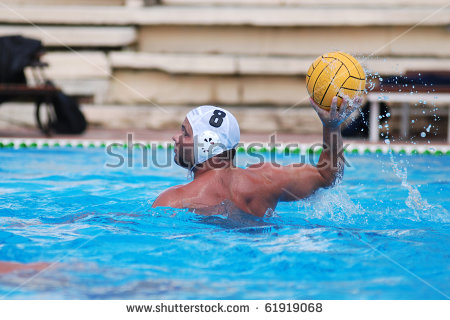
(352, 148)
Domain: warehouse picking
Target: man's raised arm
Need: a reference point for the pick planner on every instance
(331, 161)
(304, 180)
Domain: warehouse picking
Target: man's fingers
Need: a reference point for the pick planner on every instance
(359, 102)
(333, 108)
(344, 106)
(356, 103)
(352, 106)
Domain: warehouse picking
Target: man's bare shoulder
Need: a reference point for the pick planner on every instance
(169, 196)
(186, 195)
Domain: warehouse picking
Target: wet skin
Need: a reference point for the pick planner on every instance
(259, 187)
(7, 267)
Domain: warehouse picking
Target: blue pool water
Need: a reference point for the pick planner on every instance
(383, 234)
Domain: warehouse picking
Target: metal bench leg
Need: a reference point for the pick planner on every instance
(374, 131)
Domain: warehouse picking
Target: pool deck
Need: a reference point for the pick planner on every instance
(94, 137)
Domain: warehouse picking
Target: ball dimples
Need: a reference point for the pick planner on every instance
(335, 74)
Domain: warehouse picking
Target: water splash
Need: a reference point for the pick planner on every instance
(333, 205)
(421, 208)
(417, 85)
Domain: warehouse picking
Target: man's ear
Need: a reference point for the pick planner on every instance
(233, 153)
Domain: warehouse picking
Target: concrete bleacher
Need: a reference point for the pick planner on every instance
(65, 2)
(252, 53)
(308, 2)
(75, 36)
(85, 74)
(226, 16)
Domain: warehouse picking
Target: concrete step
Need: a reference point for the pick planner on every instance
(256, 65)
(230, 16)
(170, 117)
(129, 77)
(78, 73)
(297, 41)
(77, 65)
(304, 3)
(174, 78)
(65, 2)
(53, 36)
(160, 88)
(229, 80)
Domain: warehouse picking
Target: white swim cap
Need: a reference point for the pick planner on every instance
(215, 131)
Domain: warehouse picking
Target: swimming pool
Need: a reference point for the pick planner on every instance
(373, 237)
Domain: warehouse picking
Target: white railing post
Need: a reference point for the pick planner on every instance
(374, 121)
(448, 126)
(135, 3)
(405, 120)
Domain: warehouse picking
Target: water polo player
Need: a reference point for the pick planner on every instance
(206, 146)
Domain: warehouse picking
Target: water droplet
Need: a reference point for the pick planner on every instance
(423, 134)
(388, 114)
(387, 141)
(412, 121)
(428, 128)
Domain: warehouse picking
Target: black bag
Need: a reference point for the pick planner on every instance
(63, 114)
(16, 52)
(69, 118)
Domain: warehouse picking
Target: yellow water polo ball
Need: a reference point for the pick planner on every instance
(335, 74)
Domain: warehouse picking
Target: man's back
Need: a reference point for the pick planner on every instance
(246, 189)
(253, 190)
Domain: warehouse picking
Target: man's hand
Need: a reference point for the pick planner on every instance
(332, 119)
